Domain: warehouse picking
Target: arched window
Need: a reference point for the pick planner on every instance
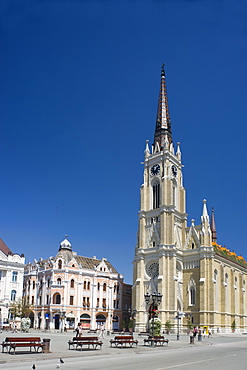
(59, 281)
(33, 284)
(215, 274)
(226, 278)
(85, 285)
(98, 286)
(104, 287)
(156, 195)
(192, 295)
(13, 295)
(56, 298)
(59, 264)
(48, 283)
(88, 285)
(72, 283)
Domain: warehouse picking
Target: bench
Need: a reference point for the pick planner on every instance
(14, 342)
(144, 333)
(94, 342)
(121, 340)
(157, 340)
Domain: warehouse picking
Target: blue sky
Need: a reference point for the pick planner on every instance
(79, 92)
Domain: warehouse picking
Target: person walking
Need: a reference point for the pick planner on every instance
(102, 331)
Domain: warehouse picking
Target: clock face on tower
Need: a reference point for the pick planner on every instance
(153, 270)
(155, 169)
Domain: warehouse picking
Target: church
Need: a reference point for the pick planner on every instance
(179, 270)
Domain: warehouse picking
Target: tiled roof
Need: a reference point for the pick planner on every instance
(4, 248)
(90, 263)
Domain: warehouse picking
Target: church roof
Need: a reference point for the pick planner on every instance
(232, 256)
(4, 248)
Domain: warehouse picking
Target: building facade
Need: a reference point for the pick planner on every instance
(198, 279)
(11, 280)
(69, 289)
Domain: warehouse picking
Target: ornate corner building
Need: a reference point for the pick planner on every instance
(195, 275)
(69, 289)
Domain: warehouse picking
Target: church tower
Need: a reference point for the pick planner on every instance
(162, 220)
(180, 271)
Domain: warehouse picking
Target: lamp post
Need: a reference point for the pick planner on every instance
(178, 318)
(154, 300)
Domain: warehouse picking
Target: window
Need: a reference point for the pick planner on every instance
(215, 274)
(59, 281)
(13, 295)
(47, 299)
(48, 283)
(156, 195)
(32, 301)
(98, 286)
(1, 274)
(85, 285)
(72, 283)
(88, 285)
(33, 284)
(104, 303)
(97, 305)
(60, 264)
(14, 275)
(226, 279)
(88, 302)
(71, 300)
(192, 296)
(84, 302)
(104, 287)
(56, 298)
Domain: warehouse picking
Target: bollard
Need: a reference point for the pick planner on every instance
(46, 345)
(200, 337)
(192, 340)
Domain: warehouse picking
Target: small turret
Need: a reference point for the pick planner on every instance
(213, 227)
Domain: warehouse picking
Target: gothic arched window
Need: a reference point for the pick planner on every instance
(192, 296)
(156, 195)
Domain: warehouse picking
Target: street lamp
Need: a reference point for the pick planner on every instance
(154, 300)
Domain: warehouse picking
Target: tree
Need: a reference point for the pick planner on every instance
(20, 308)
(233, 326)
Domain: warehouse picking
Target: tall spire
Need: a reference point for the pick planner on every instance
(213, 227)
(163, 122)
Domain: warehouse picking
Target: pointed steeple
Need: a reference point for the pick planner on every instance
(163, 130)
(213, 227)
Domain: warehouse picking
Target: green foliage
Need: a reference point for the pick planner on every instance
(20, 308)
(189, 325)
(233, 326)
(25, 324)
(155, 326)
(168, 325)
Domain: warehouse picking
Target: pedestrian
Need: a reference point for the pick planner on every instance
(80, 330)
(102, 331)
(77, 330)
(65, 328)
(209, 333)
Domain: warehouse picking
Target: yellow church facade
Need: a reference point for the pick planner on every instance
(196, 279)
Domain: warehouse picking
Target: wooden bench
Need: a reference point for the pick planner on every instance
(93, 342)
(121, 340)
(157, 340)
(14, 342)
(144, 333)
